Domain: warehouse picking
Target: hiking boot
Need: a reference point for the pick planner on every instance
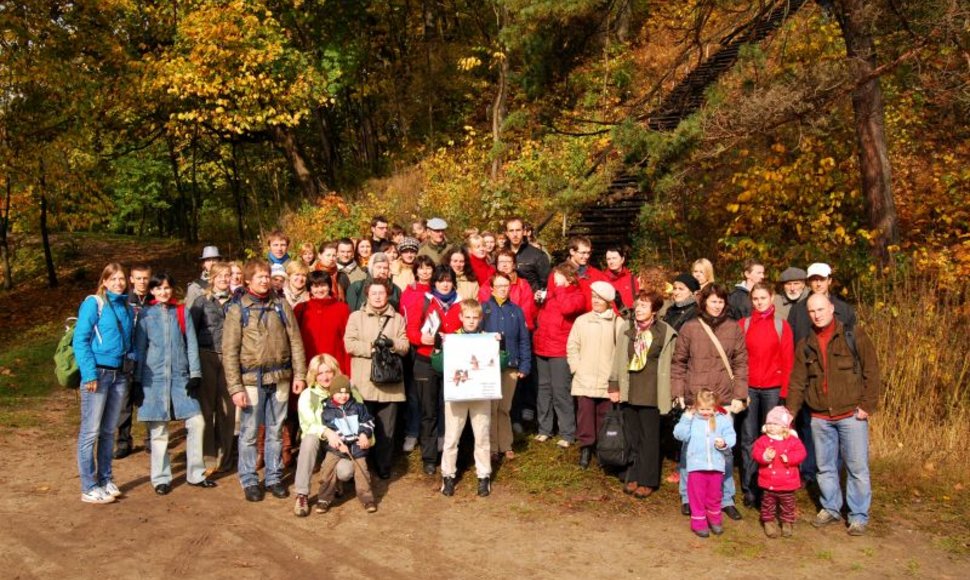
(429, 468)
(96, 495)
(253, 493)
(484, 486)
(121, 452)
(111, 489)
(302, 507)
(371, 507)
(824, 518)
(685, 509)
(732, 512)
(585, 456)
(771, 529)
(787, 530)
(278, 490)
(857, 529)
(322, 507)
(410, 443)
(448, 486)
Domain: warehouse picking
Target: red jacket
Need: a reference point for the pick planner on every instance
(626, 285)
(323, 322)
(482, 269)
(563, 305)
(450, 321)
(414, 291)
(777, 475)
(585, 281)
(770, 359)
(520, 294)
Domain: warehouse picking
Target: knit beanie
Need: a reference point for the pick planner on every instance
(779, 416)
(688, 280)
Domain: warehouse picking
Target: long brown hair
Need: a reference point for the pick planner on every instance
(109, 271)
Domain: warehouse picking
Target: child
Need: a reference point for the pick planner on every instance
(708, 434)
(457, 412)
(779, 452)
(349, 431)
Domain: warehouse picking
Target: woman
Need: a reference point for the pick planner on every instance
(295, 290)
(467, 283)
(436, 313)
(590, 353)
(520, 293)
(771, 355)
(685, 306)
(620, 277)
(422, 268)
(479, 260)
(377, 322)
(394, 257)
(698, 364)
(643, 360)
(363, 252)
(235, 277)
(703, 271)
(327, 262)
(488, 242)
(208, 315)
(323, 320)
(563, 304)
(103, 348)
(505, 318)
(168, 383)
(308, 255)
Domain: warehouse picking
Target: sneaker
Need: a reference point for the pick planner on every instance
(278, 490)
(484, 486)
(564, 444)
(732, 512)
(410, 443)
(448, 486)
(111, 489)
(857, 529)
(371, 507)
(825, 518)
(702, 533)
(322, 507)
(429, 468)
(253, 493)
(302, 507)
(541, 438)
(717, 530)
(771, 529)
(96, 495)
(787, 530)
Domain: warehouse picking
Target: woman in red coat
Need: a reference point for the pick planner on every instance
(564, 302)
(520, 292)
(322, 320)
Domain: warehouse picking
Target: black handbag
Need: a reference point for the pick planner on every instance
(386, 365)
(611, 447)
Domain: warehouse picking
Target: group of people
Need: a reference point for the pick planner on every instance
(282, 358)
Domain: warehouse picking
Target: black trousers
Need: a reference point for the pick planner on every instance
(427, 384)
(385, 420)
(641, 426)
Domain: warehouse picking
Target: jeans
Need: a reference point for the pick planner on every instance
(762, 401)
(99, 419)
(850, 438)
(554, 397)
(267, 406)
(161, 464)
(803, 424)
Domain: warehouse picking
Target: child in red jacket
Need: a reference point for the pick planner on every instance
(778, 452)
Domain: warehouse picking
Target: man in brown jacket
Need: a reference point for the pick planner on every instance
(836, 375)
(262, 355)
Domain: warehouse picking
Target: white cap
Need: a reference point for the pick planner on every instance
(277, 270)
(819, 269)
(437, 224)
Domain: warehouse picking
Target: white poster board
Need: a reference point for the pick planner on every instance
(471, 367)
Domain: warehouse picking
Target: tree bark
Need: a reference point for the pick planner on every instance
(4, 244)
(45, 238)
(501, 96)
(856, 20)
(237, 194)
(286, 141)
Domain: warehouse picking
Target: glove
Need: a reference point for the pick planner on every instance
(137, 395)
(193, 386)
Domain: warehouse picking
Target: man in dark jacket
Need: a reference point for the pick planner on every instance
(739, 302)
(532, 264)
(138, 298)
(836, 375)
(378, 234)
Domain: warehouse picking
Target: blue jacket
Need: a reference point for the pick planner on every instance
(696, 433)
(509, 321)
(166, 360)
(97, 341)
(348, 421)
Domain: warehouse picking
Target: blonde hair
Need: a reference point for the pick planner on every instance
(471, 306)
(215, 270)
(296, 266)
(319, 362)
(706, 267)
(707, 398)
(109, 271)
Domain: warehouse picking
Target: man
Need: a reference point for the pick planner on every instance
(532, 264)
(378, 234)
(793, 290)
(836, 375)
(348, 270)
(210, 255)
(262, 355)
(379, 270)
(739, 302)
(408, 250)
(580, 250)
(278, 243)
(620, 278)
(820, 282)
(436, 246)
(138, 298)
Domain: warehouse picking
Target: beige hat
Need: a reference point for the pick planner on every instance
(604, 290)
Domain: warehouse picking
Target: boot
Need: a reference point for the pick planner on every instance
(448, 486)
(771, 529)
(484, 486)
(787, 529)
(287, 454)
(585, 456)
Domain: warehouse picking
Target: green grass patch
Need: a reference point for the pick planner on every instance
(738, 546)
(27, 376)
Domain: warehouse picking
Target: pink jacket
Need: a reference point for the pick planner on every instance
(777, 475)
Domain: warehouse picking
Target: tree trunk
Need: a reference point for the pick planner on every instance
(237, 194)
(45, 238)
(501, 95)
(856, 21)
(4, 244)
(179, 208)
(286, 141)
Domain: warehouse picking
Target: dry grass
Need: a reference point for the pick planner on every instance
(921, 335)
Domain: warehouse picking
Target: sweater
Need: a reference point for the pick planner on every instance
(323, 322)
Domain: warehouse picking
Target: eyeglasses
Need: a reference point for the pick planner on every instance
(502, 286)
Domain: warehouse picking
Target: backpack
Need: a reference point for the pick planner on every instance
(778, 325)
(66, 371)
(849, 335)
(244, 312)
(611, 447)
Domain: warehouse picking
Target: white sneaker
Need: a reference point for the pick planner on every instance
(111, 489)
(563, 443)
(410, 443)
(541, 438)
(96, 495)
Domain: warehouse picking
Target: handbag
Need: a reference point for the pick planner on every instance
(611, 447)
(386, 366)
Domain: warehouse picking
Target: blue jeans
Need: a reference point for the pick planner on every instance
(727, 485)
(99, 419)
(803, 424)
(762, 401)
(267, 406)
(850, 439)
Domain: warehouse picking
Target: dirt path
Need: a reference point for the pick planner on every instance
(47, 532)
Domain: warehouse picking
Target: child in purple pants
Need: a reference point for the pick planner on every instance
(708, 432)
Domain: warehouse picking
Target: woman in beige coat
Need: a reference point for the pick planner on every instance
(377, 319)
(590, 353)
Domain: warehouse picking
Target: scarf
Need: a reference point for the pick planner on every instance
(641, 345)
(274, 260)
(446, 299)
(713, 321)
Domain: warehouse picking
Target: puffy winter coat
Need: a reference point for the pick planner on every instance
(696, 432)
(777, 474)
(348, 421)
(562, 307)
(697, 364)
(167, 358)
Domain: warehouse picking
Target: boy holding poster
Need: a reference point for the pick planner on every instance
(457, 412)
